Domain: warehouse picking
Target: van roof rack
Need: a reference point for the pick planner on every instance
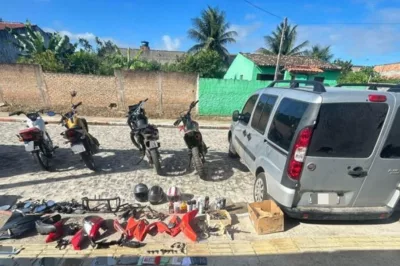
(371, 86)
(294, 84)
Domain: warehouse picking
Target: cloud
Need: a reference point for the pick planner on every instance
(369, 4)
(250, 16)
(245, 30)
(247, 39)
(355, 41)
(171, 44)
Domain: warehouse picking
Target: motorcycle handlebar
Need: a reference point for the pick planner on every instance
(177, 122)
(77, 105)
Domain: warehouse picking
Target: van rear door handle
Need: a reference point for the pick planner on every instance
(357, 172)
(249, 136)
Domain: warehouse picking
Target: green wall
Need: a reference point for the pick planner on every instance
(330, 77)
(240, 66)
(220, 97)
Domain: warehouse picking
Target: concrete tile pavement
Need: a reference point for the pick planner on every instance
(113, 121)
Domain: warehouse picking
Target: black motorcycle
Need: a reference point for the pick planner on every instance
(194, 140)
(143, 135)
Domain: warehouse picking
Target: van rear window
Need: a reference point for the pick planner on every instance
(347, 130)
(391, 149)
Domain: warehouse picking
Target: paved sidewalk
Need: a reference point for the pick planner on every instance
(114, 121)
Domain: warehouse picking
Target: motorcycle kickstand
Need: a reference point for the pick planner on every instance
(190, 160)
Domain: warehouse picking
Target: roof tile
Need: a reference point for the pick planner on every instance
(270, 60)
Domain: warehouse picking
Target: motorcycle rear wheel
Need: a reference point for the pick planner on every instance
(88, 159)
(198, 162)
(155, 157)
(42, 160)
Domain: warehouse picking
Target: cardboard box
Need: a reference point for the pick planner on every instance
(223, 222)
(266, 217)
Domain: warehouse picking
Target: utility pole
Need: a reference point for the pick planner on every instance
(280, 49)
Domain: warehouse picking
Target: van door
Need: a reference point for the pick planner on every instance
(255, 140)
(240, 129)
(341, 152)
(380, 187)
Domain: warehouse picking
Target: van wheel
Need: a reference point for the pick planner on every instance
(231, 150)
(260, 188)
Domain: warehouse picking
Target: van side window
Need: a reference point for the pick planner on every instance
(262, 112)
(285, 122)
(391, 149)
(248, 109)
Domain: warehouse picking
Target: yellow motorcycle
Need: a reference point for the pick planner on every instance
(77, 134)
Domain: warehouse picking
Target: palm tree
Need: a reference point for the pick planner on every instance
(319, 52)
(288, 47)
(211, 31)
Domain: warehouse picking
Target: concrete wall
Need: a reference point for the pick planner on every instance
(27, 87)
(220, 97)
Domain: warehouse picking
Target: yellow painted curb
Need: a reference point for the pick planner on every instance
(231, 248)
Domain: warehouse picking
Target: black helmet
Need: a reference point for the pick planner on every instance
(141, 192)
(156, 195)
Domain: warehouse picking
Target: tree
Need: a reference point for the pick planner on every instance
(365, 75)
(207, 63)
(319, 52)
(33, 42)
(211, 32)
(288, 47)
(346, 66)
(84, 62)
(46, 59)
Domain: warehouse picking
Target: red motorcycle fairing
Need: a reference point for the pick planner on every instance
(91, 227)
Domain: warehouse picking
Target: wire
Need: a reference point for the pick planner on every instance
(262, 9)
(350, 23)
(324, 23)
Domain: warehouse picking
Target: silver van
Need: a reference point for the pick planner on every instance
(321, 153)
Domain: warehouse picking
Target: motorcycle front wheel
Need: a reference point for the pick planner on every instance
(88, 159)
(198, 162)
(155, 157)
(42, 160)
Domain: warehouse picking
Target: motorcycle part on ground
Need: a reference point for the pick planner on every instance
(46, 225)
(104, 205)
(91, 226)
(5, 207)
(141, 192)
(77, 239)
(63, 244)
(152, 214)
(18, 225)
(57, 234)
(186, 227)
(174, 194)
(156, 195)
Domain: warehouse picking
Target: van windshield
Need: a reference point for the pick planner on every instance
(348, 130)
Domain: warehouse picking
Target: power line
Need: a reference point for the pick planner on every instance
(262, 9)
(350, 23)
(324, 23)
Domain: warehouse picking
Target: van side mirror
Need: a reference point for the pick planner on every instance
(235, 116)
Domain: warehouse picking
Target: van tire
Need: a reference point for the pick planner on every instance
(231, 150)
(260, 188)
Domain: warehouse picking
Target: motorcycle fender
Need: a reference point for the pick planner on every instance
(152, 144)
(78, 148)
(30, 146)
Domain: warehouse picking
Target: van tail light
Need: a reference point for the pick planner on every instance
(376, 98)
(299, 152)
